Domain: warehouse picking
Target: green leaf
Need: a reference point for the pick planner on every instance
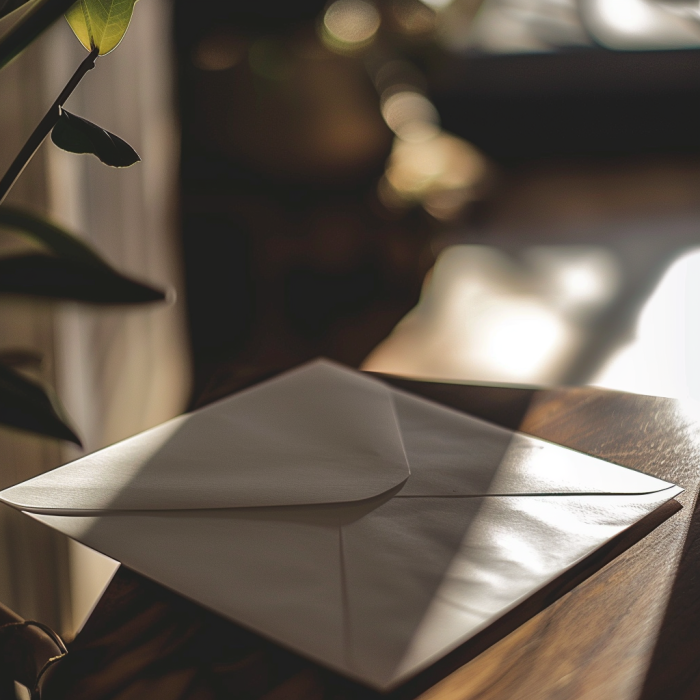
(58, 241)
(19, 28)
(78, 135)
(100, 24)
(47, 276)
(27, 405)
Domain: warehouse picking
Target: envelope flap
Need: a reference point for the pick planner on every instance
(452, 454)
(318, 434)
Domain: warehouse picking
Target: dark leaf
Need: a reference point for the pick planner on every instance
(36, 16)
(78, 135)
(27, 405)
(21, 359)
(75, 271)
(58, 241)
(46, 276)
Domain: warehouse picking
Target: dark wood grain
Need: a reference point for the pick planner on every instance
(624, 625)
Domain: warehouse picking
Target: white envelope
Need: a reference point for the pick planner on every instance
(366, 528)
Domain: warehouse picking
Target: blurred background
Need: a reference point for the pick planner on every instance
(501, 191)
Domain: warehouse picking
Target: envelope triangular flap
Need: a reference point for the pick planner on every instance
(453, 454)
(317, 434)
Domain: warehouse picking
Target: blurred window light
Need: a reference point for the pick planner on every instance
(410, 115)
(350, 24)
(516, 336)
(663, 359)
(518, 26)
(487, 316)
(578, 280)
(640, 24)
(219, 50)
(481, 317)
(535, 26)
(437, 4)
(627, 15)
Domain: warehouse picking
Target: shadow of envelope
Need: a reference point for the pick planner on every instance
(364, 527)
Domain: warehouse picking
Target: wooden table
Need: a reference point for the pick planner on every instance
(629, 630)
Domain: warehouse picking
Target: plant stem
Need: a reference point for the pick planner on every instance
(44, 127)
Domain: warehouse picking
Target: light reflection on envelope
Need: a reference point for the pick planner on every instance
(368, 529)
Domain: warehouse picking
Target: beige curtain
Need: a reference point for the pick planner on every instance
(34, 578)
(118, 370)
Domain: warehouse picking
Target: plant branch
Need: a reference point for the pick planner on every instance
(44, 127)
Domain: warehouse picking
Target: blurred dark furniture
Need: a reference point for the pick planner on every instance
(288, 253)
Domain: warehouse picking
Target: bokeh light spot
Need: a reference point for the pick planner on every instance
(411, 116)
(219, 50)
(350, 24)
(443, 174)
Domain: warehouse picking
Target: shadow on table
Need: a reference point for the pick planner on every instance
(674, 671)
(503, 405)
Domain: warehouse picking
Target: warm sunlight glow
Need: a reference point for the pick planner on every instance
(437, 4)
(626, 15)
(481, 317)
(442, 173)
(643, 24)
(663, 359)
(578, 279)
(516, 335)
